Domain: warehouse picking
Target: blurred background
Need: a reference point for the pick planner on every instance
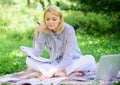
(96, 22)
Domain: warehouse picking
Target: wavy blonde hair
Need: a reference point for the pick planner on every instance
(57, 12)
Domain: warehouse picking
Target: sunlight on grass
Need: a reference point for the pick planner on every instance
(16, 53)
(97, 46)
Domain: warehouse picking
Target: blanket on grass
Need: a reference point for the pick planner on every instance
(30, 77)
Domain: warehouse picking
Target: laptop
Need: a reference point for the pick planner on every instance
(108, 67)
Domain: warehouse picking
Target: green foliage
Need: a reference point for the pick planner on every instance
(101, 5)
(91, 22)
(104, 10)
(62, 5)
(116, 83)
(73, 18)
(66, 5)
(8, 2)
(96, 23)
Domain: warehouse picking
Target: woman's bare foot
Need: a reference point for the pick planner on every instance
(77, 74)
(31, 75)
(38, 74)
(61, 74)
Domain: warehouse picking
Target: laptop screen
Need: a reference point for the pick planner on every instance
(108, 67)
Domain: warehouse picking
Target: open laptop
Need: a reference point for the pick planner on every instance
(108, 67)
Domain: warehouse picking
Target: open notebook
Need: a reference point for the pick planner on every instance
(30, 53)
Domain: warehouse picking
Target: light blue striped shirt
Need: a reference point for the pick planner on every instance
(63, 48)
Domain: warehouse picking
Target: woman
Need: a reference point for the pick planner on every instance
(61, 43)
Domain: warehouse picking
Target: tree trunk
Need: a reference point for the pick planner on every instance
(28, 2)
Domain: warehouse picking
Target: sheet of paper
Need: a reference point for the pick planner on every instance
(29, 52)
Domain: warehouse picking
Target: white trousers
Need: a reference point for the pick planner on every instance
(85, 63)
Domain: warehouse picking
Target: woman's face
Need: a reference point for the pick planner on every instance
(52, 21)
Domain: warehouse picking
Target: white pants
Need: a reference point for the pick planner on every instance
(85, 63)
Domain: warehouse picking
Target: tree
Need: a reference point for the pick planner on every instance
(42, 2)
(99, 5)
(109, 7)
(28, 2)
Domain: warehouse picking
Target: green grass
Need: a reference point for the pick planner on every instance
(98, 46)
(13, 60)
(17, 24)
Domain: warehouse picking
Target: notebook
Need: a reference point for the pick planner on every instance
(30, 53)
(108, 67)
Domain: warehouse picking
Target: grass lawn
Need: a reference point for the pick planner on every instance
(13, 60)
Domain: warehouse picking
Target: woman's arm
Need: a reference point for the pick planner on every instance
(39, 43)
(39, 39)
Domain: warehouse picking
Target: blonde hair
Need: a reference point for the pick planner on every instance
(57, 12)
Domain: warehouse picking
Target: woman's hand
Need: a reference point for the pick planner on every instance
(40, 28)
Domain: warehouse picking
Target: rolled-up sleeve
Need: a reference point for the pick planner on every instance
(38, 44)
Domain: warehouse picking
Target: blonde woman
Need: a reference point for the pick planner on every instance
(61, 43)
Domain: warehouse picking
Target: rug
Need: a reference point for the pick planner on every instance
(30, 77)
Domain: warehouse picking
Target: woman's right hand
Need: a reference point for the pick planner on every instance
(40, 28)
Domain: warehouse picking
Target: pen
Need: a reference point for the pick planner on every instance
(38, 23)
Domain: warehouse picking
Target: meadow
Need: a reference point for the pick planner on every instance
(17, 24)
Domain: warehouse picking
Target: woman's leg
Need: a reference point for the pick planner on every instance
(89, 63)
(85, 63)
(38, 66)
